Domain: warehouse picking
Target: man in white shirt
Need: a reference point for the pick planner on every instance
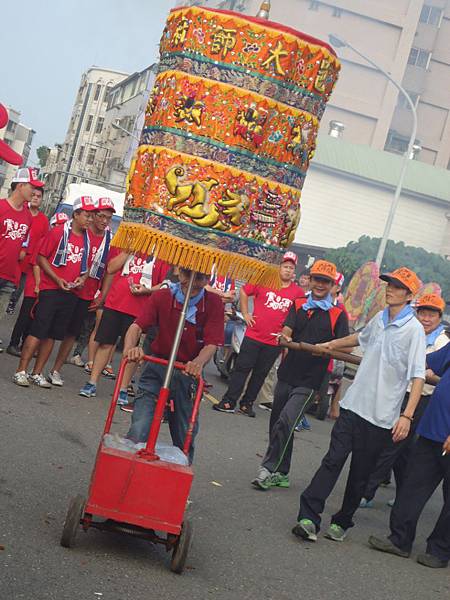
(394, 355)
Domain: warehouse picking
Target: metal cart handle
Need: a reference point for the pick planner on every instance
(163, 398)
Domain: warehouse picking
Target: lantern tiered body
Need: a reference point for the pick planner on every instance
(229, 132)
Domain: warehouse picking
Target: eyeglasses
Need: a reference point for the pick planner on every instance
(101, 217)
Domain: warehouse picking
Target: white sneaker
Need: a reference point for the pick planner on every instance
(77, 361)
(39, 380)
(55, 378)
(21, 378)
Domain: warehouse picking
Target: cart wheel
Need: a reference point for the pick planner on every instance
(72, 522)
(181, 549)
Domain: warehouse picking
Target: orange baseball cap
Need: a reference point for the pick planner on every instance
(323, 268)
(432, 301)
(405, 278)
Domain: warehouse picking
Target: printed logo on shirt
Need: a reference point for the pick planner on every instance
(74, 254)
(276, 302)
(137, 265)
(15, 230)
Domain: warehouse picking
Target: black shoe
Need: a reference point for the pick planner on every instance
(266, 406)
(224, 406)
(429, 560)
(247, 409)
(13, 350)
(11, 308)
(385, 545)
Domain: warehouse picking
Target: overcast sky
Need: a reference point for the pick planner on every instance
(47, 45)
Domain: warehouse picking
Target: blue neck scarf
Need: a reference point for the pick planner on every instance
(98, 266)
(191, 313)
(60, 259)
(405, 312)
(432, 337)
(323, 304)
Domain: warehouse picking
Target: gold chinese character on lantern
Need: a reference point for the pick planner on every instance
(223, 40)
(274, 59)
(180, 32)
(321, 76)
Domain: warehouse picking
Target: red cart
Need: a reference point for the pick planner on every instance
(137, 493)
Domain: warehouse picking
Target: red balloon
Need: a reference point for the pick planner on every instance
(6, 153)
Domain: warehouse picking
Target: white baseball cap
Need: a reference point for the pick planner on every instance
(28, 175)
(84, 203)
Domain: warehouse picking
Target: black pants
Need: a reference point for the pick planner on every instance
(289, 406)
(255, 357)
(396, 455)
(353, 435)
(426, 469)
(23, 322)
(15, 296)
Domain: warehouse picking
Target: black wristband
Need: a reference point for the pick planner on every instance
(406, 417)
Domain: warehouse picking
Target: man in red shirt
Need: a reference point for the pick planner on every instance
(99, 240)
(260, 349)
(203, 332)
(15, 223)
(135, 278)
(63, 258)
(30, 294)
(39, 227)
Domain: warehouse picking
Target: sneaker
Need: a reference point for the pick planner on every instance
(89, 390)
(391, 502)
(39, 380)
(366, 503)
(13, 350)
(306, 530)
(128, 408)
(305, 424)
(21, 378)
(224, 406)
(108, 372)
(77, 361)
(263, 480)
(130, 391)
(429, 560)
(55, 378)
(336, 533)
(247, 410)
(385, 545)
(88, 366)
(123, 398)
(266, 406)
(279, 480)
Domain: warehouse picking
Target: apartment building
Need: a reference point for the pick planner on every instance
(407, 38)
(19, 137)
(82, 155)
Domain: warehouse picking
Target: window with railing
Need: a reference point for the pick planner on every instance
(431, 15)
(419, 58)
(91, 156)
(402, 102)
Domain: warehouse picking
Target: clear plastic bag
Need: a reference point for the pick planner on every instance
(165, 452)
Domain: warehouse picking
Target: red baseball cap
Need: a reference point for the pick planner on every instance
(58, 219)
(105, 204)
(84, 203)
(28, 175)
(290, 256)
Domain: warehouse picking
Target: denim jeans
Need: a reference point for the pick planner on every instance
(182, 390)
(6, 289)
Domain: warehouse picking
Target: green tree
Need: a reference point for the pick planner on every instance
(427, 265)
(42, 154)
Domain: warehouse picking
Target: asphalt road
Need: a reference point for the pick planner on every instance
(242, 547)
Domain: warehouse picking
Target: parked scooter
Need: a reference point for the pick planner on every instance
(225, 356)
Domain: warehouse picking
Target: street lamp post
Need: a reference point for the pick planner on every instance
(340, 43)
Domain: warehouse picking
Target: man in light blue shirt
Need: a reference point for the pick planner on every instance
(394, 355)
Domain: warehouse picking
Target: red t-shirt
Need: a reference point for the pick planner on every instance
(163, 310)
(72, 269)
(120, 297)
(14, 230)
(90, 288)
(270, 309)
(39, 227)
